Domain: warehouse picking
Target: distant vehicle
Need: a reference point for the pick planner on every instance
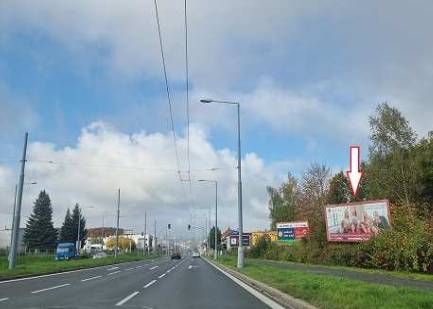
(195, 254)
(66, 251)
(176, 256)
(100, 255)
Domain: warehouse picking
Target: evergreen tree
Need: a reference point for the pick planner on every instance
(67, 233)
(77, 215)
(40, 232)
(212, 237)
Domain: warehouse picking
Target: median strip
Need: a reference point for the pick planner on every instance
(127, 298)
(91, 278)
(51, 288)
(149, 284)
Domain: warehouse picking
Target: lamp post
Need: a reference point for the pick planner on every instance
(216, 214)
(240, 221)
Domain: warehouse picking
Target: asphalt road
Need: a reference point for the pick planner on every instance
(161, 283)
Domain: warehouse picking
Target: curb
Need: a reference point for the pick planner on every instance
(276, 295)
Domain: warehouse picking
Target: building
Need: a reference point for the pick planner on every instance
(5, 240)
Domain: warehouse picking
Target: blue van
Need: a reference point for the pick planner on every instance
(66, 251)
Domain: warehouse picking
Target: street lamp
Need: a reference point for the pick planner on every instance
(216, 214)
(240, 222)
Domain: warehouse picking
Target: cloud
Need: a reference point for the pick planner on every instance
(144, 167)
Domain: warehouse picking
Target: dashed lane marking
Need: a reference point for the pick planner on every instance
(112, 268)
(162, 276)
(91, 278)
(154, 267)
(114, 272)
(4, 299)
(129, 297)
(149, 284)
(51, 288)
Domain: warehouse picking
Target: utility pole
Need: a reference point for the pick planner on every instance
(145, 232)
(13, 221)
(216, 221)
(154, 239)
(78, 232)
(17, 214)
(117, 227)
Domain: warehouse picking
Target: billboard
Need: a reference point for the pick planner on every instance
(290, 231)
(234, 239)
(255, 236)
(354, 222)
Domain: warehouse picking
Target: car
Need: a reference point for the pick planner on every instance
(195, 254)
(100, 255)
(176, 256)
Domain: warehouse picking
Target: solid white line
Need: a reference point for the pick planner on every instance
(91, 278)
(149, 284)
(5, 298)
(112, 268)
(114, 272)
(120, 303)
(154, 267)
(162, 276)
(271, 303)
(51, 288)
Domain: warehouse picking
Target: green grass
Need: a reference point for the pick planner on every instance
(38, 265)
(326, 291)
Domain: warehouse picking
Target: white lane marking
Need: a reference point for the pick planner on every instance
(162, 276)
(120, 303)
(51, 288)
(139, 266)
(112, 268)
(5, 298)
(154, 267)
(131, 268)
(271, 303)
(57, 274)
(114, 272)
(149, 284)
(168, 271)
(91, 278)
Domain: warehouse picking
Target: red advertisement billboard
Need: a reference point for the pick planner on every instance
(354, 222)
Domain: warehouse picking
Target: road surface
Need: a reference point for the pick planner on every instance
(161, 283)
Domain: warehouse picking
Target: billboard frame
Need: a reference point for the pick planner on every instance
(355, 204)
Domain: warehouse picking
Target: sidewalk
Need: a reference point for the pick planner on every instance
(350, 274)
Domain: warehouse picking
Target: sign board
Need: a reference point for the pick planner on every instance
(353, 222)
(255, 236)
(290, 231)
(234, 239)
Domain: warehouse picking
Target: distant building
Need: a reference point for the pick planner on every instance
(103, 232)
(5, 240)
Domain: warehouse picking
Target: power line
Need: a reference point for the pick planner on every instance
(167, 90)
(187, 92)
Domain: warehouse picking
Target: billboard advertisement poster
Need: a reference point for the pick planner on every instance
(354, 222)
(290, 231)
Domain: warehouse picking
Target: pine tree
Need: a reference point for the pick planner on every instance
(77, 215)
(40, 232)
(67, 233)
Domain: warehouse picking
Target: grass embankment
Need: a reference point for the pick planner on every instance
(38, 265)
(327, 291)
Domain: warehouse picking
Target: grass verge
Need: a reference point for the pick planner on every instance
(325, 291)
(39, 265)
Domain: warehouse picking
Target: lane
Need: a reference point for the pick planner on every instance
(101, 291)
(193, 284)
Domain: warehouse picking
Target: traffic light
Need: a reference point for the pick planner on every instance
(189, 227)
(169, 226)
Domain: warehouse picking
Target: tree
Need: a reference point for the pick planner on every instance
(283, 201)
(39, 232)
(390, 131)
(66, 232)
(77, 215)
(212, 237)
(341, 192)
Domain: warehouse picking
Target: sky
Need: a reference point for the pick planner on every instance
(85, 79)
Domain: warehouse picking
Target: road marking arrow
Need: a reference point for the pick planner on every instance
(354, 174)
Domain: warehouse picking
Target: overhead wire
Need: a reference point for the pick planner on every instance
(167, 89)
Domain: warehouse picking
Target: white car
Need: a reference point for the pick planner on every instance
(195, 254)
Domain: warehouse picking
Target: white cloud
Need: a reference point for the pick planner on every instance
(144, 167)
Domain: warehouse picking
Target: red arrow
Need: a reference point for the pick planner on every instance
(354, 173)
